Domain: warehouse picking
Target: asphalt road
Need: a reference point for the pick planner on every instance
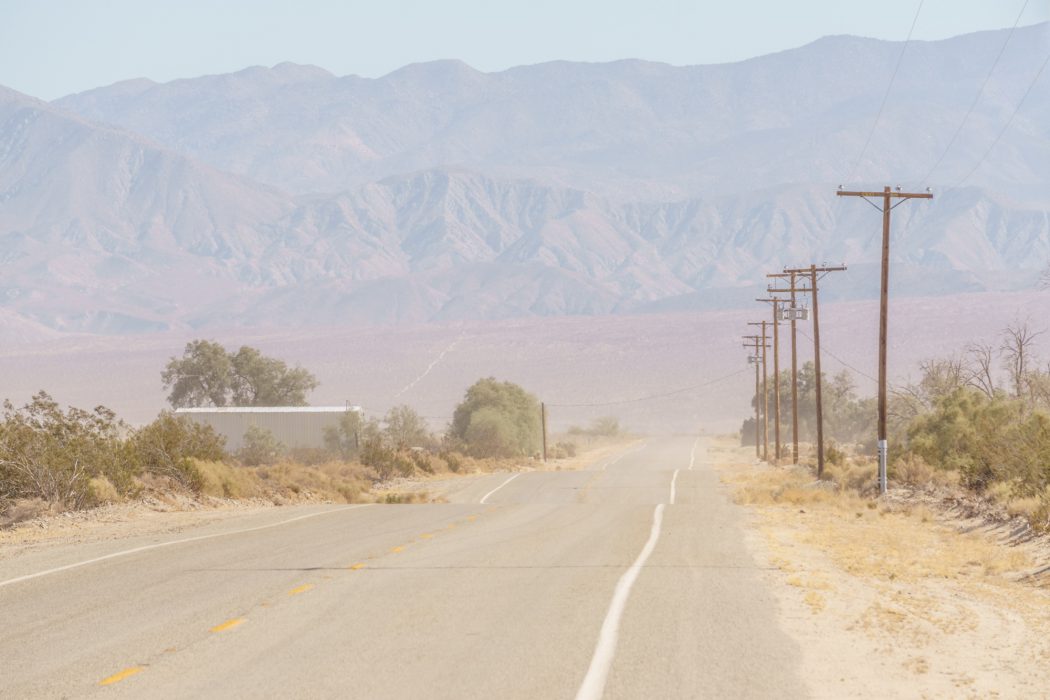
(628, 580)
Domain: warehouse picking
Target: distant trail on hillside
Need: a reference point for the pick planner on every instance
(451, 346)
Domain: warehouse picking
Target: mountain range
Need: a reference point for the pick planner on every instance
(287, 195)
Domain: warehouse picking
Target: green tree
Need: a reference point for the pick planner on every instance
(202, 377)
(208, 375)
(405, 428)
(497, 419)
(266, 381)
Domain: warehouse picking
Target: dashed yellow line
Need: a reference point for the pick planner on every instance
(301, 589)
(118, 677)
(357, 566)
(395, 550)
(229, 624)
(427, 536)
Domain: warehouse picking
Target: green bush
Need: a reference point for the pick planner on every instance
(987, 439)
(53, 455)
(169, 445)
(497, 419)
(260, 447)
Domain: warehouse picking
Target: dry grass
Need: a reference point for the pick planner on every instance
(868, 538)
(941, 613)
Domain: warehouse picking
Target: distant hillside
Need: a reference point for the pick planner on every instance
(439, 193)
(631, 128)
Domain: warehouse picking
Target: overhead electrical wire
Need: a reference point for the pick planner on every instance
(824, 349)
(886, 96)
(1006, 126)
(977, 97)
(650, 397)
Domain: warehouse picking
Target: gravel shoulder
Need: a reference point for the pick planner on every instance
(889, 599)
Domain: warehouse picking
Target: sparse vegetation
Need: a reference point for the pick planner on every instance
(54, 459)
(979, 420)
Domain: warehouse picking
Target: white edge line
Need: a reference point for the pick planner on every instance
(158, 545)
(622, 455)
(673, 480)
(486, 496)
(692, 453)
(593, 686)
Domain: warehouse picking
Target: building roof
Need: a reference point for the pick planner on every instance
(269, 409)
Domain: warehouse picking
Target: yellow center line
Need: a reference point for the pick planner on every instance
(395, 550)
(427, 536)
(358, 565)
(451, 526)
(301, 589)
(229, 624)
(472, 518)
(117, 677)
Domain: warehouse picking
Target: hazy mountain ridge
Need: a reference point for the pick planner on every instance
(106, 230)
(621, 127)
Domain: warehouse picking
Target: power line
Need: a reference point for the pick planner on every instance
(886, 97)
(650, 397)
(977, 98)
(840, 360)
(1006, 126)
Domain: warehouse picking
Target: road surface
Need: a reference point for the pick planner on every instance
(627, 580)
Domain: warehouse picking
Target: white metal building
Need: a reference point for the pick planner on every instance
(293, 426)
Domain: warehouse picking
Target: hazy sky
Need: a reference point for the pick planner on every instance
(49, 48)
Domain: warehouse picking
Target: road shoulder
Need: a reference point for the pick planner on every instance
(891, 602)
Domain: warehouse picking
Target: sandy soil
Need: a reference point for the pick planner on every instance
(895, 601)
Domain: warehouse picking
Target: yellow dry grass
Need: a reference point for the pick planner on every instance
(870, 539)
(898, 583)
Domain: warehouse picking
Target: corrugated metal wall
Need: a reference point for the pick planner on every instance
(299, 429)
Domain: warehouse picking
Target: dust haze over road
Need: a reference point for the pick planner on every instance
(628, 579)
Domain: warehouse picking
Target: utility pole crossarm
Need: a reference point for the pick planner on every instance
(808, 270)
(893, 194)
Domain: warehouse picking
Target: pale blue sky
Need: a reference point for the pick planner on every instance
(49, 48)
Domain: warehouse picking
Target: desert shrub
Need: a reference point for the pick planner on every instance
(310, 456)
(404, 428)
(497, 419)
(911, 469)
(421, 460)
(453, 460)
(222, 480)
(260, 447)
(169, 445)
(987, 439)
(345, 437)
(563, 450)
(53, 455)
(834, 454)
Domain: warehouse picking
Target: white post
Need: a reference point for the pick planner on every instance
(883, 450)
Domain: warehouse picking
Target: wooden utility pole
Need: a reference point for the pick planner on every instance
(543, 423)
(765, 392)
(812, 271)
(755, 359)
(887, 195)
(775, 301)
(794, 362)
